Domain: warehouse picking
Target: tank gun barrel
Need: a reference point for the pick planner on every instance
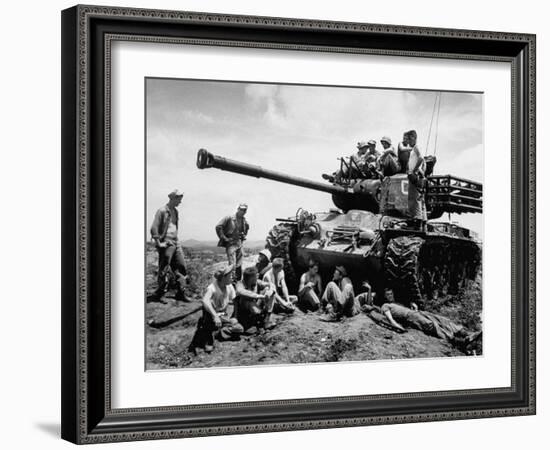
(206, 160)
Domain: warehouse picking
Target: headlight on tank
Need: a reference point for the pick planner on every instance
(314, 230)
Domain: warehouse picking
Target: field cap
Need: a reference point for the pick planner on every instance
(362, 144)
(371, 142)
(342, 270)
(386, 139)
(266, 253)
(175, 193)
(243, 206)
(223, 271)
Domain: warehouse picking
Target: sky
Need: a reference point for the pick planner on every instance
(296, 129)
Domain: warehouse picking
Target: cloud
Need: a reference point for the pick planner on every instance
(298, 130)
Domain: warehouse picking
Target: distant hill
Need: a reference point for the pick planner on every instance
(192, 243)
(195, 243)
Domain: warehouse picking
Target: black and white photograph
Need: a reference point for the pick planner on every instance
(291, 223)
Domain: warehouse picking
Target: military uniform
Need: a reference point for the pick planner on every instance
(232, 230)
(207, 330)
(341, 297)
(164, 230)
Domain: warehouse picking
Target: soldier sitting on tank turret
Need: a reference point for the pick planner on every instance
(388, 163)
(310, 288)
(370, 168)
(356, 165)
(284, 302)
(339, 298)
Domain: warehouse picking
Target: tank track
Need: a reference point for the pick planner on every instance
(402, 265)
(416, 268)
(278, 243)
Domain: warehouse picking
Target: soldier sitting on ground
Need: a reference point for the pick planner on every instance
(310, 289)
(400, 316)
(339, 298)
(254, 302)
(284, 302)
(215, 322)
(263, 263)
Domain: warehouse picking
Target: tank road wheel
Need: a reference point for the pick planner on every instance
(278, 242)
(402, 267)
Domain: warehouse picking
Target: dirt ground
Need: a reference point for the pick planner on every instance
(298, 338)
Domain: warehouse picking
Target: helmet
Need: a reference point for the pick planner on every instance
(266, 253)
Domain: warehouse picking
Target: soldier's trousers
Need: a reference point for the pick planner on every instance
(308, 300)
(252, 312)
(171, 257)
(342, 300)
(206, 330)
(416, 203)
(234, 254)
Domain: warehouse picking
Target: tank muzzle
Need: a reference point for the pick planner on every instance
(204, 159)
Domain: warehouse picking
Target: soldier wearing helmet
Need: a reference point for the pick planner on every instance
(388, 161)
(263, 263)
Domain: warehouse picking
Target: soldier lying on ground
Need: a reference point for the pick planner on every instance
(310, 288)
(284, 302)
(400, 316)
(254, 302)
(215, 323)
(339, 298)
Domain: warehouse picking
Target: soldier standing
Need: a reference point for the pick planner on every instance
(415, 172)
(232, 231)
(164, 232)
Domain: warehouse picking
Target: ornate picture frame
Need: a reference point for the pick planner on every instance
(87, 35)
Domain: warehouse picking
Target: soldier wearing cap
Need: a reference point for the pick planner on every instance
(358, 161)
(215, 322)
(232, 231)
(164, 232)
(339, 298)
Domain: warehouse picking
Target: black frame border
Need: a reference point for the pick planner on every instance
(87, 33)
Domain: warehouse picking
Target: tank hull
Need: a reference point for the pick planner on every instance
(414, 263)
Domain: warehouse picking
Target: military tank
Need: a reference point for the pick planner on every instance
(370, 233)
